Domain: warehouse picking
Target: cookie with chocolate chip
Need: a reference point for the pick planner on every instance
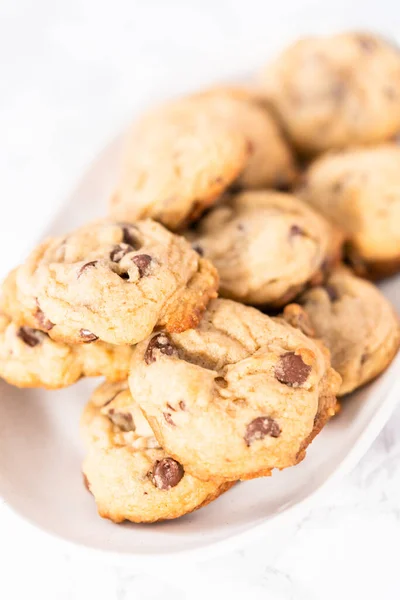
(267, 246)
(358, 325)
(129, 474)
(359, 190)
(336, 91)
(237, 397)
(30, 358)
(110, 281)
(178, 160)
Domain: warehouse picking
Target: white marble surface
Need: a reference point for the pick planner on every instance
(72, 72)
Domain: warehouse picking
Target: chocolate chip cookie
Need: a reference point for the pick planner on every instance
(110, 281)
(177, 161)
(237, 397)
(30, 358)
(129, 474)
(271, 162)
(359, 190)
(336, 91)
(358, 325)
(267, 246)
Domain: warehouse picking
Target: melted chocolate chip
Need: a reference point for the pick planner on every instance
(168, 418)
(87, 265)
(119, 251)
(163, 344)
(197, 248)
(123, 420)
(129, 236)
(41, 318)
(30, 337)
(295, 230)
(332, 292)
(261, 427)
(166, 473)
(142, 261)
(292, 370)
(87, 336)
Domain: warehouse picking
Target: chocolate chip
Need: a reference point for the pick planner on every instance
(142, 261)
(123, 420)
(30, 337)
(198, 249)
(124, 275)
(87, 336)
(332, 292)
(87, 265)
(259, 428)
(168, 418)
(119, 251)
(160, 342)
(41, 318)
(292, 370)
(295, 230)
(129, 236)
(166, 473)
(366, 43)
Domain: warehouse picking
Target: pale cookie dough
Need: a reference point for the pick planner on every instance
(177, 162)
(358, 325)
(271, 162)
(237, 397)
(267, 246)
(359, 190)
(30, 358)
(336, 91)
(130, 476)
(110, 281)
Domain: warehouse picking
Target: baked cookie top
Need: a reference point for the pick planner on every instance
(358, 325)
(177, 161)
(130, 476)
(359, 190)
(110, 281)
(237, 397)
(30, 358)
(336, 91)
(267, 246)
(271, 162)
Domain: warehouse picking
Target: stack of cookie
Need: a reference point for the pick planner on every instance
(200, 391)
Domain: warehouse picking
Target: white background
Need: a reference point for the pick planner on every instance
(72, 73)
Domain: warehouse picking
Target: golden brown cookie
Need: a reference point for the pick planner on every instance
(336, 91)
(358, 325)
(237, 397)
(359, 190)
(30, 358)
(177, 161)
(130, 476)
(271, 162)
(267, 246)
(110, 281)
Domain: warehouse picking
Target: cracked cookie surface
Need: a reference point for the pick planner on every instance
(358, 325)
(130, 476)
(110, 281)
(177, 162)
(267, 246)
(359, 190)
(30, 358)
(336, 91)
(237, 397)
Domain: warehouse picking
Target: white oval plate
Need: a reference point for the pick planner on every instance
(41, 453)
